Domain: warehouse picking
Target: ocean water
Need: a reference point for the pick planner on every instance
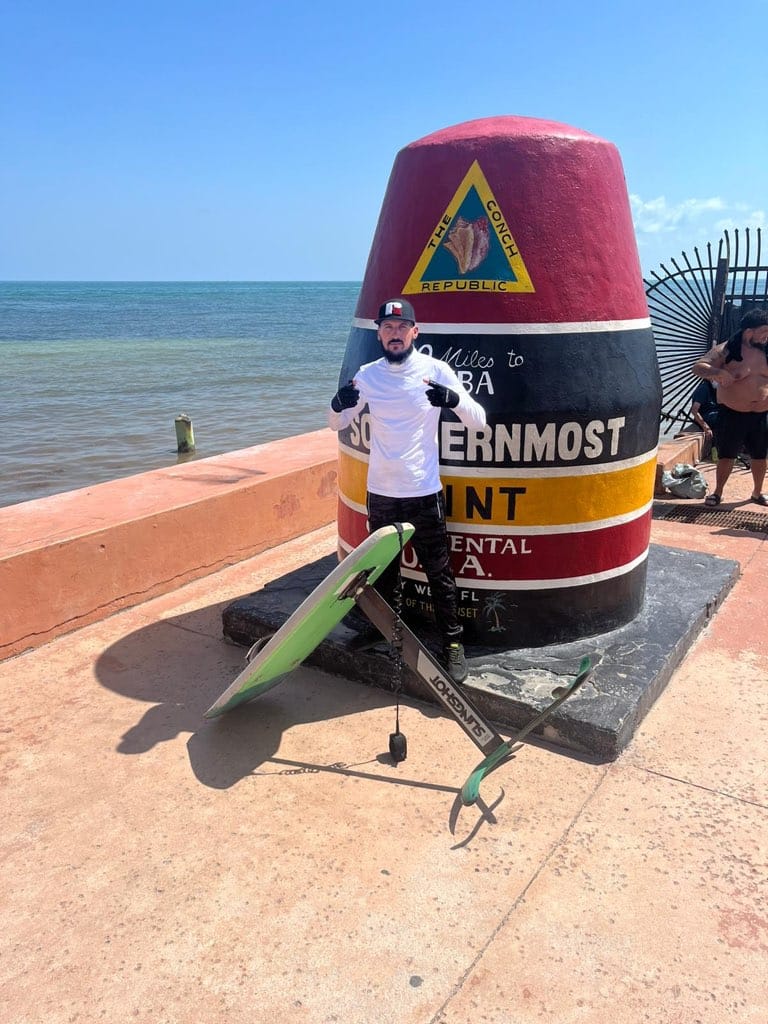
(94, 374)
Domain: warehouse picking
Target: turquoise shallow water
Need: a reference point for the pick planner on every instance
(94, 374)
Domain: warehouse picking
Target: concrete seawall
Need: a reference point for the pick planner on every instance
(74, 558)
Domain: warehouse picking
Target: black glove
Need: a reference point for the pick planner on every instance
(441, 396)
(345, 398)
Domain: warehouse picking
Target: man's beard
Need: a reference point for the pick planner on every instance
(398, 357)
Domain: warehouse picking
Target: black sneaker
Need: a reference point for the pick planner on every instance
(455, 662)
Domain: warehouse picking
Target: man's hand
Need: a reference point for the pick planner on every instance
(345, 398)
(441, 396)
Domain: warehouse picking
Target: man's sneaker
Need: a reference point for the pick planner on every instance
(455, 662)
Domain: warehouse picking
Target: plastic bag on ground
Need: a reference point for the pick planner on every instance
(684, 481)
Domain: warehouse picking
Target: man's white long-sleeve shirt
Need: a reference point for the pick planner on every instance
(404, 460)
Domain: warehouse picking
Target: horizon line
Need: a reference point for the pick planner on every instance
(173, 280)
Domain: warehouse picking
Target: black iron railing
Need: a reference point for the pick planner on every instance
(698, 303)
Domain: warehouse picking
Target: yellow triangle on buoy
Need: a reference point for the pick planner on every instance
(471, 248)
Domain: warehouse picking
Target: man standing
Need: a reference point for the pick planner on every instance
(405, 391)
(739, 366)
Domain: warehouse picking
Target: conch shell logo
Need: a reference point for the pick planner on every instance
(468, 243)
(473, 234)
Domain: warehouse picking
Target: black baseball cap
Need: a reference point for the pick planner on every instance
(396, 309)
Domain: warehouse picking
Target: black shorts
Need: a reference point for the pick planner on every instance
(736, 431)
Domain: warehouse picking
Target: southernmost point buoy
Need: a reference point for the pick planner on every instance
(512, 238)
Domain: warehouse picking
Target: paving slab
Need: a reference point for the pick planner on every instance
(271, 865)
(719, 707)
(632, 664)
(670, 928)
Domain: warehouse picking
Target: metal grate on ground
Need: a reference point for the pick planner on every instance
(734, 519)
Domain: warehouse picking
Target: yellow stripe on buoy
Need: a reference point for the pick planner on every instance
(583, 496)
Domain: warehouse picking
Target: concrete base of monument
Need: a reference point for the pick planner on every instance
(632, 664)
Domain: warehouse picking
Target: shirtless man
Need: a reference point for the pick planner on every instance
(740, 368)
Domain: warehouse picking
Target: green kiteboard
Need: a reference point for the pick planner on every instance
(315, 617)
(349, 583)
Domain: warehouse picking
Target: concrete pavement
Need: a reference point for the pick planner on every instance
(273, 865)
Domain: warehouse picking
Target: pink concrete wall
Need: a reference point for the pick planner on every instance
(73, 558)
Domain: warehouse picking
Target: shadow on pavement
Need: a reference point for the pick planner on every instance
(178, 666)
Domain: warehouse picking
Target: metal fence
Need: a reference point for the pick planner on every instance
(698, 303)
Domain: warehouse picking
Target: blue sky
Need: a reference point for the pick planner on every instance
(254, 141)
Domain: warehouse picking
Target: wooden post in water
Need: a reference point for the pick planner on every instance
(185, 435)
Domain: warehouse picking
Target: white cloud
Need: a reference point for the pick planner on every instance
(655, 216)
(750, 219)
(662, 227)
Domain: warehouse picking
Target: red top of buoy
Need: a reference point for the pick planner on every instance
(507, 220)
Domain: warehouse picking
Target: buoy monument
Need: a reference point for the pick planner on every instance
(512, 238)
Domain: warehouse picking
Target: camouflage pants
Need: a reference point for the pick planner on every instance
(430, 542)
